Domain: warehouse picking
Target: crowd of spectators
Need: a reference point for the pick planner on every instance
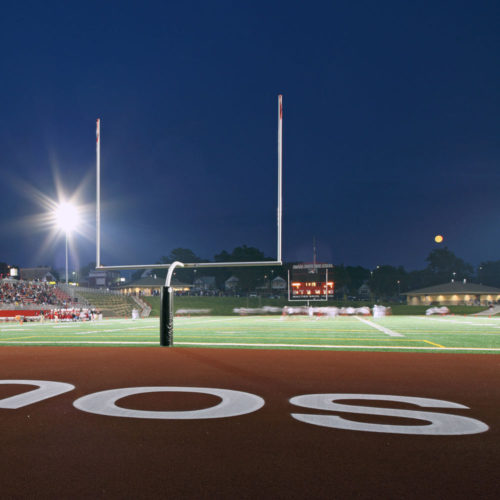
(25, 293)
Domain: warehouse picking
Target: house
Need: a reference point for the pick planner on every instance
(231, 284)
(454, 293)
(37, 274)
(205, 283)
(278, 284)
(364, 291)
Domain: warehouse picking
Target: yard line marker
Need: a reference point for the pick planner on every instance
(379, 327)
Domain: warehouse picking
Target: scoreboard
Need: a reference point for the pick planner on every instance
(309, 282)
(312, 289)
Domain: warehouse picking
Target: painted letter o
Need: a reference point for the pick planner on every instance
(233, 403)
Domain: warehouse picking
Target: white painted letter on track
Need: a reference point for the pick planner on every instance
(233, 403)
(439, 424)
(46, 390)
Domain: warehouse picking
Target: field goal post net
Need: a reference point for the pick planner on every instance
(310, 283)
(167, 294)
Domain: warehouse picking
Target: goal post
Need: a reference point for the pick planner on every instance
(198, 265)
(167, 293)
(167, 317)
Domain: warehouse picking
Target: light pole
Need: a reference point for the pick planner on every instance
(66, 234)
(67, 218)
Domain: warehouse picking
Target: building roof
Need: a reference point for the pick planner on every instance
(151, 281)
(455, 287)
(36, 273)
(207, 280)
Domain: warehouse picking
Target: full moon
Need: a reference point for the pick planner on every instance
(438, 238)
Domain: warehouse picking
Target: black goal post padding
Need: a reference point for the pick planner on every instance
(167, 317)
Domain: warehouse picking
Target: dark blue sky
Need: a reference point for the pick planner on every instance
(391, 127)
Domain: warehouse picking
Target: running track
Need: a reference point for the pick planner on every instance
(50, 449)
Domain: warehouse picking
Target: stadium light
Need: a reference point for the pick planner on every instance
(67, 219)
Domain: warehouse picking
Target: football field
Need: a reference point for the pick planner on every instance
(393, 333)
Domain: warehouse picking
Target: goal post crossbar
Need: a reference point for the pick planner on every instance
(194, 265)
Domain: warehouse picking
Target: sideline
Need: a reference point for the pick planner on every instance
(96, 343)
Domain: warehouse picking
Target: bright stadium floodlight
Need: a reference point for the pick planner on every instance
(67, 219)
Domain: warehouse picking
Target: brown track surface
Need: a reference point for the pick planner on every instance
(52, 450)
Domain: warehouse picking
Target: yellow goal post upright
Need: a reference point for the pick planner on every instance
(167, 294)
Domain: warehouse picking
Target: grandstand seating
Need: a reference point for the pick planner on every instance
(61, 295)
(18, 294)
(111, 305)
(30, 294)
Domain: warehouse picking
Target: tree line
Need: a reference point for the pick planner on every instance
(384, 281)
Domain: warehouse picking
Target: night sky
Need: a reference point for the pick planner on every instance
(391, 128)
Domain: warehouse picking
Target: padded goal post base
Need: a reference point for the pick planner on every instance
(167, 317)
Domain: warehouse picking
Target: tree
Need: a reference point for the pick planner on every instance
(341, 279)
(181, 255)
(387, 281)
(418, 279)
(444, 265)
(250, 277)
(488, 273)
(357, 276)
(4, 270)
(241, 254)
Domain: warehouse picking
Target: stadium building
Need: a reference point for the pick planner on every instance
(151, 285)
(454, 293)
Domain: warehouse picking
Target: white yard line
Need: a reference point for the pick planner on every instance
(36, 342)
(378, 327)
(233, 344)
(189, 321)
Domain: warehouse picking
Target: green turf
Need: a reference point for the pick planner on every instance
(223, 306)
(414, 333)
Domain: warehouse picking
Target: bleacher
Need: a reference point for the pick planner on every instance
(110, 304)
(61, 295)
(21, 294)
